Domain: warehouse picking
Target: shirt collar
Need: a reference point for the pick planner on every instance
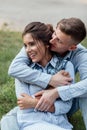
(52, 62)
(66, 57)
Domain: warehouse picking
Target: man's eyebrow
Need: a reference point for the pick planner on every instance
(57, 37)
(55, 33)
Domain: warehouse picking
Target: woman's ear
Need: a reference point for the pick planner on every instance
(72, 47)
(47, 46)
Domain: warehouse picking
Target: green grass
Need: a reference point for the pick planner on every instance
(10, 44)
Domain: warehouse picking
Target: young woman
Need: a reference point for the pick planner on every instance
(36, 37)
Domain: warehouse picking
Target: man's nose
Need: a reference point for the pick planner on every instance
(52, 41)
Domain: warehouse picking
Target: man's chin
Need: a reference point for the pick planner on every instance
(53, 49)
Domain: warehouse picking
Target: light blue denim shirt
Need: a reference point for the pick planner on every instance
(26, 74)
(79, 89)
(28, 116)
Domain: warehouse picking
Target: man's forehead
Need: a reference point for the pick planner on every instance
(56, 30)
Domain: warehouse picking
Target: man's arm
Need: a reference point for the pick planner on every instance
(49, 96)
(79, 89)
(20, 69)
(74, 90)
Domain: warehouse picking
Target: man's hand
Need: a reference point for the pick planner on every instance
(47, 99)
(61, 78)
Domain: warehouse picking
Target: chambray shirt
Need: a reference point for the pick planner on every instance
(26, 74)
(29, 116)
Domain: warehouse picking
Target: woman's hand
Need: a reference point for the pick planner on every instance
(26, 101)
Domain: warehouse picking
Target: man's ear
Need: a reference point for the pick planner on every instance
(72, 47)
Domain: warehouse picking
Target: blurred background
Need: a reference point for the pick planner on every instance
(15, 14)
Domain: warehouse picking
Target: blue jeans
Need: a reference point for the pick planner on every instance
(9, 121)
(83, 108)
(82, 104)
(74, 108)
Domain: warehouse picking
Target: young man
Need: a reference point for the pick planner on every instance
(68, 31)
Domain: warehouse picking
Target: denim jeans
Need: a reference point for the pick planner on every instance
(83, 108)
(74, 108)
(9, 121)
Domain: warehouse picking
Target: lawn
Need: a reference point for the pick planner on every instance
(10, 44)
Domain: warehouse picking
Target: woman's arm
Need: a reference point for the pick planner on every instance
(26, 102)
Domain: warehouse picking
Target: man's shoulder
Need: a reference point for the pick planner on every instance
(79, 53)
(80, 49)
(80, 46)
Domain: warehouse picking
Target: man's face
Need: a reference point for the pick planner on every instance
(60, 42)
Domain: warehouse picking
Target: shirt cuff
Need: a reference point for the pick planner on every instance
(45, 80)
(64, 92)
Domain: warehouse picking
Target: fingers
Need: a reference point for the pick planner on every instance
(69, 80)
(64, 73)
(19, 102)
(39, 93)
(43, 105)
(21, 107)
(38, 105)
(24, 94)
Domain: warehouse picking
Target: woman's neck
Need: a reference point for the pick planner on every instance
(46, 59)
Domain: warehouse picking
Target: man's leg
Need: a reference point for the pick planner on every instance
(83, 107)
(9, 121)
(0, 125)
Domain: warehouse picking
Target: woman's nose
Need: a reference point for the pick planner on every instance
(28, 49)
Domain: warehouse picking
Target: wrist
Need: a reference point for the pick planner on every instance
(35, 101)
(52, 81)
(56, 93)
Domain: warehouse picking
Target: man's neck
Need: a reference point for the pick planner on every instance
(63, 54)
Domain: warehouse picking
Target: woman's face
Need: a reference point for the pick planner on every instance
(36, 50)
